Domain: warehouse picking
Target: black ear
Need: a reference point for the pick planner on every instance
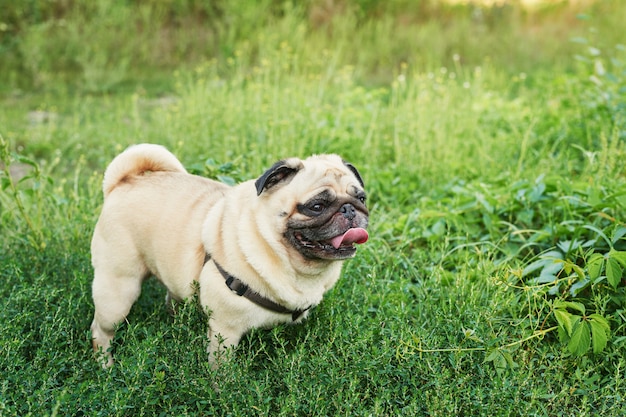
(280, 171)
(355, 172)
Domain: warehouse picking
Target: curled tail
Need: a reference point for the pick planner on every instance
(135, 161)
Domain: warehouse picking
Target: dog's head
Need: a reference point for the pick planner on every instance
(321, 203)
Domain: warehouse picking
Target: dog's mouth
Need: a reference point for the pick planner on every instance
(341, 246)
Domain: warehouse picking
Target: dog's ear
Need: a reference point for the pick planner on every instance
(355, 172)
(281, 172)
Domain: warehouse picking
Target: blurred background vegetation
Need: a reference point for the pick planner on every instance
(105, 45)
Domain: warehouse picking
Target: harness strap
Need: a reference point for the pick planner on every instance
(241, 289)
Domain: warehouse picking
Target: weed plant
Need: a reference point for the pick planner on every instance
(493, 282)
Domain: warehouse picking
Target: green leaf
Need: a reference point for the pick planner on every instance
(5, 183)
(559, 304)
(580, 341)
(601, 320)
(226, 180)
(495, 356)
(595, 265)
(562, 334)
(566, 320)
(578, 287)
(619, 256)
(613, 272)
(600, 331)
(579, 271)
(501, 359)
(619, 233)
(509, 359)
(24, 160)
(598, 231)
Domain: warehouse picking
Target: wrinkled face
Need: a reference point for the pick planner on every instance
(327, 214)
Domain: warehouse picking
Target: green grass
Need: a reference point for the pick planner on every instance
(496, 188)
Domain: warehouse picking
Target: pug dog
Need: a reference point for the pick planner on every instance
(258, 254)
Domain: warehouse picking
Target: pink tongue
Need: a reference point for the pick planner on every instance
(356, 235)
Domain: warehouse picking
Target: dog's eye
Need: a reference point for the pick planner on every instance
(312, 209)
(317, 207)
(362, 198)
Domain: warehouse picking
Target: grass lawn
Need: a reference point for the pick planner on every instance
(491, 142)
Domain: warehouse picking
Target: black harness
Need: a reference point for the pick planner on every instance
(241, 289)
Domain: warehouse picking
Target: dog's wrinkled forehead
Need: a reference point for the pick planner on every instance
(313, 172)
(332, 170)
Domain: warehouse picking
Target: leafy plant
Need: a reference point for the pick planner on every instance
(579, 331)
(14, 194)
(583, 272)
(228, 172)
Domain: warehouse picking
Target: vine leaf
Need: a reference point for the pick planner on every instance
(619, 256)
(573, 305)
(566, 320)
(580, 341)
(595, 265)
(502, 360)
(600, 332)
(613, 271)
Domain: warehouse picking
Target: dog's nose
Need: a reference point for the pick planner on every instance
(348, 211)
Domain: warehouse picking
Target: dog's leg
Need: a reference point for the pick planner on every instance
(113, 296)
